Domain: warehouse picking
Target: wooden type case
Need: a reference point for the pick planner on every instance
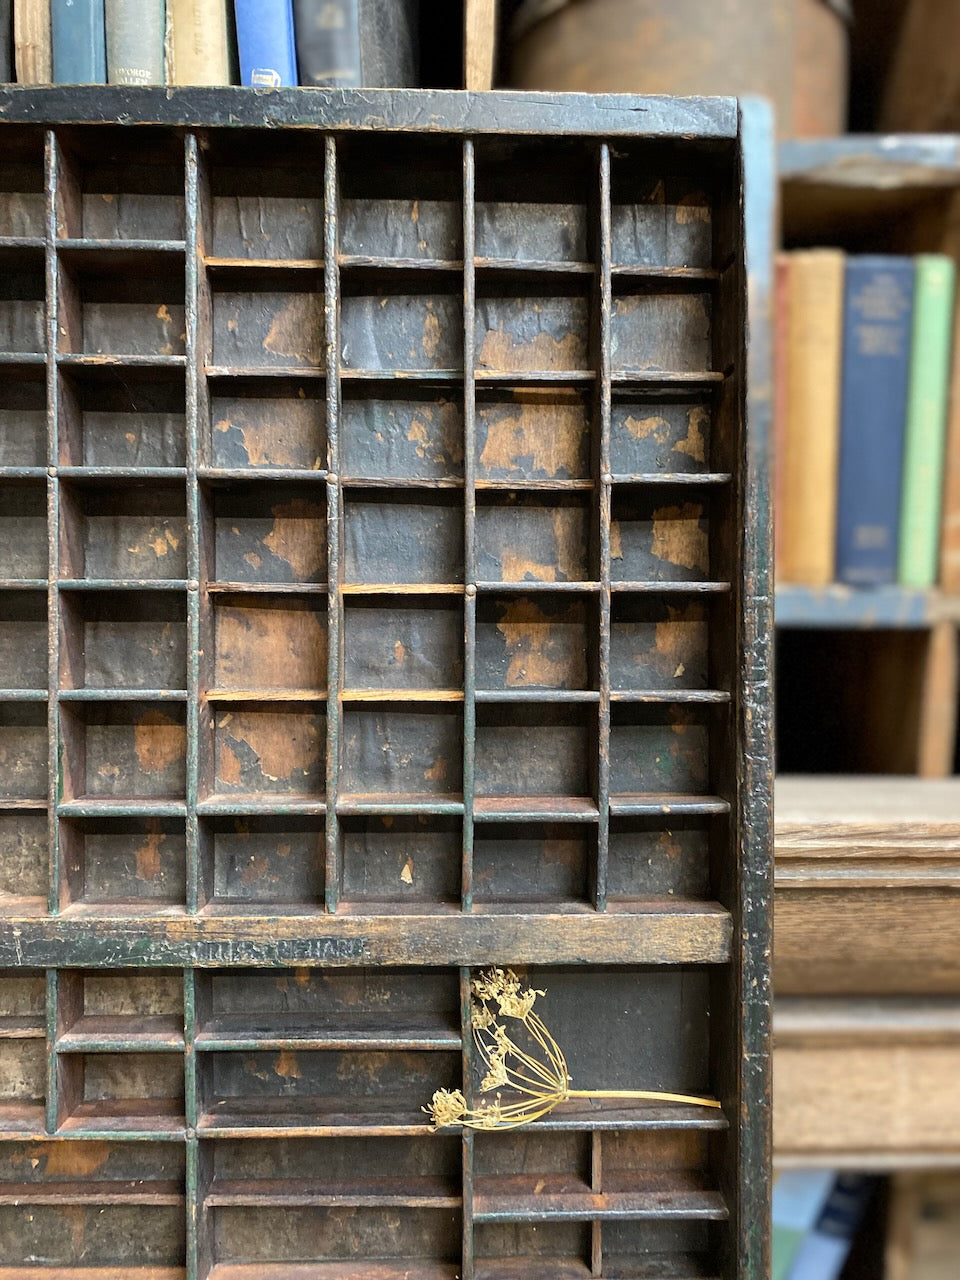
(383, 596)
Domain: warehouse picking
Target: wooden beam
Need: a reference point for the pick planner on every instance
(479, 43)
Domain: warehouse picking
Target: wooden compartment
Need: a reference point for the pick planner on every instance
(249, 860)
(129, 531)
(390, 751)
(125, 302)
(267, 748)
(653, 435)
(22, 295)
(134, 641)
(134, 418)
(97, 1011)
(405, 322)
(402, 538)
(663, 211)
(23, 640)
(267, 644)
(541, 327)
(412, 646)
(534, 435)
(655, 328)
(267, 422)
(545, 863)
(659, 749)
(22, 188)
(119, 186)
(535, 537)
(23, 529)
(650, 856)
(660, 536)
(542, 752)
(402, 434)
(23, 753)
(390, 859)
(137, 864)
(23, 416)
(120, 1091)
(23, 1071)
(22, 1005)
(24, 862)
(536, 642)
(264, 532)
(660, 643)
(118, 750)
(267, 318)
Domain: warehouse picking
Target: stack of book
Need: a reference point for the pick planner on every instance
(209, 42)
(864, 349)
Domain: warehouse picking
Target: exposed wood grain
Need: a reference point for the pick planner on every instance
(479, 43)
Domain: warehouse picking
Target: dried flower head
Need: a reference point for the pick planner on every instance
(448, 1107)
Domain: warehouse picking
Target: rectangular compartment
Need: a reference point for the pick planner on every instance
(533, 204)
(23, 640)
(131, 417)
(23, 751)
(135, 531)
(651, 857)
(135, 862)
(23, 416)
(543, 326)
(664, 207)
(542, 641)
(412, 860)
(658, 643)
(516, 1250)
(533, 862)
(660, 536)
(405, 321)
(22, 199)
(680, 1247)
(121, 1010)
(268, 422)
(23, 1007)
(659, 749)
(403, 433)
(269, 643)
(403, 538)
(137, 640)
(123, 750)
(535, 752)
(268, 319)
(141, 1092)
(656, 327)
(392, 752)
(401, 198)
(535, 537)
(120, 186)
(413, 644)
(265, 196)
(22, 301)
(534, 434)
(249, 861)
(23, 529)
(24, 863)
(270, 748)
(264, 531)
(128, 303)
(651, 435)
(23, 1084)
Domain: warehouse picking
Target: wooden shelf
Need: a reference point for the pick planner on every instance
(385, 1192)
(374, 1032)
(534, 1198)
(881, 608)
(132, 1033)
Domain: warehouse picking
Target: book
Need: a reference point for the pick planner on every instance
(927, 392)
(349, 43)
(950, 523)
(878, 314)
(798, 1199)
(265, 40)
(825, 1249)
(6, 42)
(200, 42)
(780, 277)
(135, 41)
(811, 430)
(79, 42)
(31, 41)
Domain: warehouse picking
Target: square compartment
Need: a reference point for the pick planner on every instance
(663, 211)
(650, 857)
(23, 1005)
(659, 643)
(22, 200)
(22, 301)
(401, 197)
(546, 863)
(401, 321)
(118, 186)
(531, 201)
(659, 749)
(23, 1084)
(536, 537)
(265, 196)
(408, 644)
(132, 417)
(534, 751)
(403, 537)
(409, 434)
(654, 327)
(23, 416)
(268, 319)
(251, 861)
(401, 860)
(511, 1166)
(270, 748)
(511, 1250)
(652, 435)
(128, 531)
(23, 529)
(124, 861)
(391, 751)
(122, 304)
(23, 640)
(96, 1007)
(137, 640)
(266, 643)
(268, 422)
(659, 536)
(138, 1091)
(24, 863)
(23, 751)
(121, 750)
(264, 531)
(541, 641)
(532, 327)
(533, 433)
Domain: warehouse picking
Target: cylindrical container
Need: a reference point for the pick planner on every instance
(791, 51)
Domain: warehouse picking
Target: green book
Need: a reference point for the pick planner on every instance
(927, 397)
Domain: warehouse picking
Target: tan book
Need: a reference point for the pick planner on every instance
(199, 49)
(950, 529)
(810, 442)
(31, 41)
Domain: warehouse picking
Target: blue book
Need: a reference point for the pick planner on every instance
(798, 1199)
(825, 1250)
(877, 323)
(79, 42)
(268, 53)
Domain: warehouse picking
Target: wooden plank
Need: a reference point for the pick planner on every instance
(938, 707)
(479, 44)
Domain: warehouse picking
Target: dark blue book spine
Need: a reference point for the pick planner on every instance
(79, 42)
(268, 54)
(877, 318)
